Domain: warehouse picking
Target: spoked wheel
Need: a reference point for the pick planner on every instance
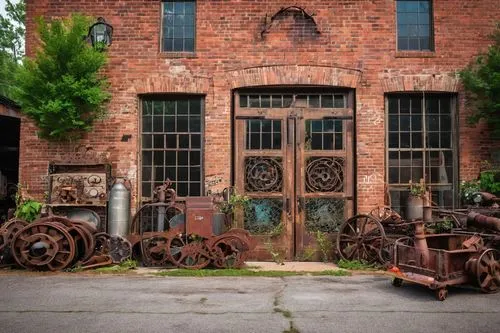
(184, 252)
(155, 251)
(229, 252)
(43, 246)
(362, 238)
(488, 271)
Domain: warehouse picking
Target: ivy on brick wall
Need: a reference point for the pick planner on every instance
(62, 88)
(481, 80)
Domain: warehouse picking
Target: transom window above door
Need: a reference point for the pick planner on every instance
(293, 100)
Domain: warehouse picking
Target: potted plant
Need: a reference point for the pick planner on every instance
(416, 200)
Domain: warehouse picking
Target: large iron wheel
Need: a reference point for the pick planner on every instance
(362, 238)
(488, 271)
(43, 246)
(154, 251)
(229, 252)
(185, 252)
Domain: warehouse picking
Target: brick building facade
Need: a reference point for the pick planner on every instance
(380, 75)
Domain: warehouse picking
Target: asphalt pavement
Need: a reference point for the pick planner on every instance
(137, 303)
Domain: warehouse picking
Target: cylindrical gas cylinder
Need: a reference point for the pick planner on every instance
(119, 209)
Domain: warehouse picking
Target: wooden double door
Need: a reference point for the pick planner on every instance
(293, 159)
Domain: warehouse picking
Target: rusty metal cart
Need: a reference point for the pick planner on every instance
(371, 237)
(441, 260)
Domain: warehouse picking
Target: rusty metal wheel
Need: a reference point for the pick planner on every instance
(154, 251)
(488, 271)
(43, 246)
(229, 252)
(362, 238)
(101, 243)
(10, 228)
(120, 249)
(84, 243)
(186, 252)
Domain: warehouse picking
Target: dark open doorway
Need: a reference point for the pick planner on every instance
(9, 163)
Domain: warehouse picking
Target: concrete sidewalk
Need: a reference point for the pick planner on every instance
(291, 266)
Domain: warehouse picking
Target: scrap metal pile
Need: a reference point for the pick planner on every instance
(185, 233)
(56, 243)
(466, 253)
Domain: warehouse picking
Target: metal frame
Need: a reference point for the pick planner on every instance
(173, 97)
(432, 46)
(161, 27)
(453, 139)
(294, 237)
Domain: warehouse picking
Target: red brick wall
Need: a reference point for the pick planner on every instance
(356, 48)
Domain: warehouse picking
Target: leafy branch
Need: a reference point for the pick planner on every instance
(62, 88)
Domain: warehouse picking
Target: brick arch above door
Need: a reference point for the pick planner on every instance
(293, 75)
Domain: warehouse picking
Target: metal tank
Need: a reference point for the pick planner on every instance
(119, 208)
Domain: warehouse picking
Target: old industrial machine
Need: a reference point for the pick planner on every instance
(441, 260)
(183, 232)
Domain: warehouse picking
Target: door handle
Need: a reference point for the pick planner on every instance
(288, 206)
(301, 203)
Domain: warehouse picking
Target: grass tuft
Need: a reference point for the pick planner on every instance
(285, 313)
(120, 268)
(356, 265)
(245, 272)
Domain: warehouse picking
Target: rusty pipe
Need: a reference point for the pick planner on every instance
(483, 221)
(421, 244)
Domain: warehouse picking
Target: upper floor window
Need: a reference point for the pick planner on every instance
(414, 19)
(178, 24)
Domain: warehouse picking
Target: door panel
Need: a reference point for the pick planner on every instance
(295, 164)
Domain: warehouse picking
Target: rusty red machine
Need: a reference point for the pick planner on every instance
(186, 233)
(468, 253)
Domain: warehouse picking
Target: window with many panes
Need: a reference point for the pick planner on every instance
(171, 144)
(178, 25)
(414, 25)
(421, 145)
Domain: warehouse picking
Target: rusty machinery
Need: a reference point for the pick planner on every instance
(469, 254)
(56, 243)
(371, 237)
(183, 232)
(441, 260)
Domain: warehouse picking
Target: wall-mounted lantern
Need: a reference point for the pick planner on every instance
(100, 33)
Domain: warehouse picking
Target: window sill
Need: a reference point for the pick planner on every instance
(177, 55)
(415, 54)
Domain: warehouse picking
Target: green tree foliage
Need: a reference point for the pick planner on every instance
(11, 44)
(12, 29)
(62, 88)
(481, 80)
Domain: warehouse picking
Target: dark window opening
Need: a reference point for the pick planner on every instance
(414, 25)
(179, 26)
(420, 144)
(172, 134)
